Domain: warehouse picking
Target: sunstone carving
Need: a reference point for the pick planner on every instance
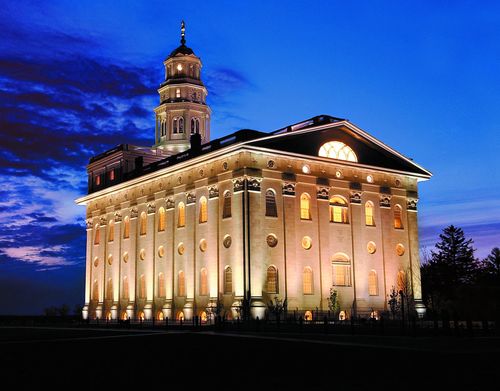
(385, 201)
(213, 191)
(355, 197)
(411, 204)
(289, 188)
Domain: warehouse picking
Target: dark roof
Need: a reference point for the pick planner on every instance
(183, 49)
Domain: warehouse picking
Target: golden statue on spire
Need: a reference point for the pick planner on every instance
(183, 33)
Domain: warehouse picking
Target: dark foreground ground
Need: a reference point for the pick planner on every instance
(149, 359)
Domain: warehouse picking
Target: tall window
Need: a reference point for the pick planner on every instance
(226, 210)
(372, 283)
(369, 220)
(109, 289)
(111, 230)
(341, 270)
(181, 218)
(175, 125)
(181, 125)
(125, 292)
(192, 126)
(181, 284)
(307, 281)
(161, 219)
(178, 93)
(197, 124)
(161, 285)
(97, 235)
(271, 210)
(305, 202)
(398, 223)
(95, 291)
(126, 227)
(203, 210)
(272, 280)
(203, 282)
(142, 287)
(143, 223)
(228, 280)
(401, 281)
(338, 210)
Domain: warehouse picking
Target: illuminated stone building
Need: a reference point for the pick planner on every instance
(173, 228)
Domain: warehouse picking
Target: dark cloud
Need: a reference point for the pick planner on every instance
(221, 82)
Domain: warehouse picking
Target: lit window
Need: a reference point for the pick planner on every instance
(141, 316)
(341, 270)
(111, 231)
(272, 280)
(181, 284)
(306, 169)
(181, 218)
(126, 228)
(305, 212)
(338, 210)
(97, 236)
(307, 281)
(203, 282)
(109, 289)
(271, 210)
(203, 210)
(125, 294)
(160, 316)
(308, 316)
(178, 93)
(398, 223)
(228, 280)
(180, 316)
(337, 150)
(197, 125)
(372, 283)
(369, 213)
(181, 125)
(179, 67)
(112, 175)
(174, 125)
(342, 315)
(98, 180)
(203, 316)
(401, 281)
(161, 285)
(161, 219)
(143, 223)
(142, 287)
(226, 210)
(95, 290)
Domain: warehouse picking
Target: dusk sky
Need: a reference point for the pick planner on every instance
(80, 77)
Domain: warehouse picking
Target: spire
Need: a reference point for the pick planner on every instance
(183, 33)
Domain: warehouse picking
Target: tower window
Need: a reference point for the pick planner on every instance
(203, 210)
(97, 180)
(174, 125)
(97, 234)
(369, 220)
(307, 281)
(341, 270)
(161, 219)
(142, 287)
(228, 280)
(181, 284)
(271, 210)
(161, 285)
(272, 280)
(338, 210)
(226, 210)
(398, 223)
(181, 125)
(305, 201)
(372, 283)
(111, 230)
(203, 282)
(125, 290)
(181, 218)
(112, 175)
(126, 228)
(197, 123)
(109, 289)
(143, 223)
(178, 93)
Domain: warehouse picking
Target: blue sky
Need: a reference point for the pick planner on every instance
(77, 78)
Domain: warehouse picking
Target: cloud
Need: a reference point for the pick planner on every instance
(38, 255)
(223, 82)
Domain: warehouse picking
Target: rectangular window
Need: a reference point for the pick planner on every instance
(342, 275)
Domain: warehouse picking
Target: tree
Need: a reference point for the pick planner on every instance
(490, 267)
(394, 302)
(215, 309)
(334, 301)
(276, 307)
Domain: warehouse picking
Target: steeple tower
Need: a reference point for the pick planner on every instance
(183, 110)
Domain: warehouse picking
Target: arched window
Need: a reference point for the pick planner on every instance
(271, 210)
(143, 223)
(160, 316)
(308, 316)
(95, 291)
(142, 287)
(369, 220)
(141, 316)
(109, 289)
(401, 281)
(181, 284)
(228, 280)
(398, 222)
(161, 285)
(175, 125)
(372, 283)
(203, 282)
(181, 218)
(111, 230)
(192, 125)
(338, 210)
(161, 219)
(226, 210)
(177, 92)
(307, 281)
(203, 210)
(126, 227)
(180, 316)
(341, 270)
(97, 235)
(272, 280)
(337, 150)
(305, 203)
(125, 291)
(181, 125)
(197, 125)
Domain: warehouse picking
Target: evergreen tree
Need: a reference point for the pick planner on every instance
(490, 267)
